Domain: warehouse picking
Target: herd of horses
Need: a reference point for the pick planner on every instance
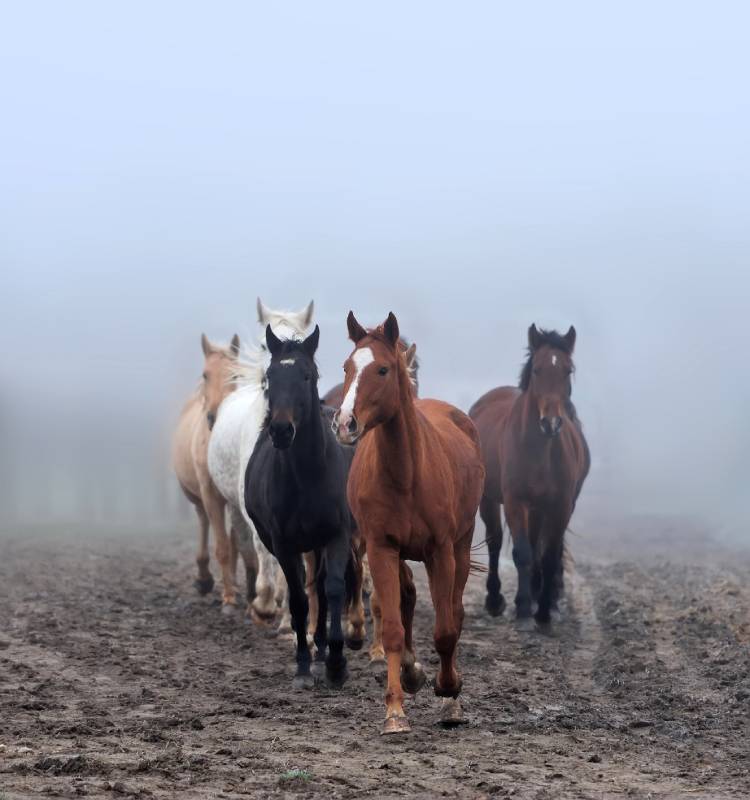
(315, 493)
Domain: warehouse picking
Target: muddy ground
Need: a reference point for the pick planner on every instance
(117, 680)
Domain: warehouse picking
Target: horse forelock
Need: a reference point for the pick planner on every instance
(550, 339)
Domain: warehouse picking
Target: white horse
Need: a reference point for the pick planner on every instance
(238, 423)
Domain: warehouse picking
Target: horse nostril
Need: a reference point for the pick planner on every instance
(352, 426)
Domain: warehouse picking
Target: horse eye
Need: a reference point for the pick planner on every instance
(383, 371)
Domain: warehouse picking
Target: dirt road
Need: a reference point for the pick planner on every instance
(117, 680)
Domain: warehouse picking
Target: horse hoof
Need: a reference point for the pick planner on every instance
(228, 609)
(545, 628)
(318, 669)
(524, 624)
(337, 679)
(355, 644)
(379, 669)
(303, 682)
(394, 724)
(263, 620)
(494, 606)
(413, 678)
(451, 713)
(204, 585)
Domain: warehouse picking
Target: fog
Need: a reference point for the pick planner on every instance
(472, 168)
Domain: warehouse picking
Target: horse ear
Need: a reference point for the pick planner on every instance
(534, 337)
(356, 331)
(570, 338)
(234, 345)
(307, 314)
(272, 342)
(206, 345)
(390, 328)
(310, 345)
(410, 356)
(263, 312)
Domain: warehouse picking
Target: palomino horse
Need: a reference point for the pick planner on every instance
(536, 459)
(190, 451)
(414, 488)
(238, 423)
(295, 491)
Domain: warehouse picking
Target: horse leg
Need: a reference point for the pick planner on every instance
(535, 525)
(311, 587)
(291, 564)
(355, 629)
(413, 677)
(441, 571)
(337, 554)
(384, 567)
(377, 652)
(489, 511)
(204, 582)
(523, 557)
(281, 599)
(215, 508)
(553, 535)
(243, 541)
(451, 713)
(264, 604)
(320, 622)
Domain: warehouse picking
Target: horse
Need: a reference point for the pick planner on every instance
(190, 456)
(537, 460)
(295, 494)
(360, 576)
(238, 423)
(414, 487)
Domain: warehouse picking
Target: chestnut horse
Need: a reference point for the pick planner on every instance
(414, 487)
(190, 456)
(537, 459)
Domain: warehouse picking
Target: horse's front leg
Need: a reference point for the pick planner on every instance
(263, 608)
(336, 559)
(523, 557)
(291, 563)
(384, 568)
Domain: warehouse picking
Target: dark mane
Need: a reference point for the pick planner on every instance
(549, 339)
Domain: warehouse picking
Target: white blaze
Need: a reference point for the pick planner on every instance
(361, 358)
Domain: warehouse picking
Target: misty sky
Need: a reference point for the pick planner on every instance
(472, 167)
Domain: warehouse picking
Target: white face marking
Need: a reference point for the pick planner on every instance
(554, 360)
(361, 358)
(287, 362)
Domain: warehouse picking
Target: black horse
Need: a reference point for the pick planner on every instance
(295, 493)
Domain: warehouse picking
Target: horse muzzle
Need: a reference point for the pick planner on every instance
(346, 428)
(282, 434)
(550, 426)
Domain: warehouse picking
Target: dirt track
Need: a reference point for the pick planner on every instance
(117, 680)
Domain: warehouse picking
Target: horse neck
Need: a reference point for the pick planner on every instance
(399, 440)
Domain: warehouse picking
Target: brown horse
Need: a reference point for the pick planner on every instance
(537, 459)
(190, 448)
(414, 488)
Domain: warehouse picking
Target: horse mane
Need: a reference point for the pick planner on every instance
(249, 368)
(547, 338)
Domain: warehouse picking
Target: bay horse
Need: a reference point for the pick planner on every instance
(414, 487)
(537, 460)
(190, 461)
(238, 424)
(295, 494)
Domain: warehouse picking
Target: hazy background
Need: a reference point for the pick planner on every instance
(472, 167)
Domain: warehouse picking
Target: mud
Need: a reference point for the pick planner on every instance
(117, 680)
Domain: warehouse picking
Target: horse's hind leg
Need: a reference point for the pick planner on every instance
(243, 541)
(318, 622)
(413, 677)
(204, 582)
(264, 604)
(553, 534)
(441, 571)
(225, 554)
(377, 652)
(311, 587)
(355, 629)
(489, 511)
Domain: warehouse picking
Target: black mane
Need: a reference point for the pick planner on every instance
(546, 338)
